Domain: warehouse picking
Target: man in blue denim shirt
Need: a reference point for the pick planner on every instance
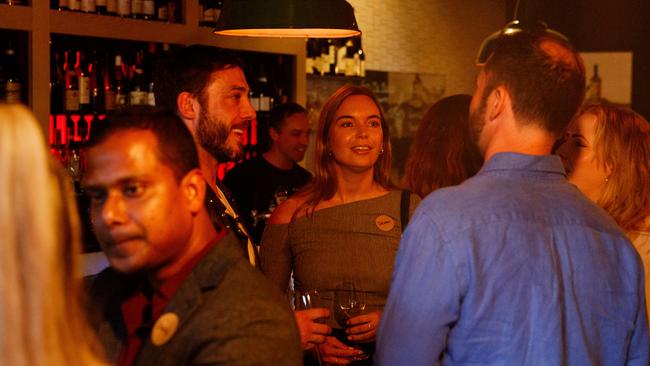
(515, 266)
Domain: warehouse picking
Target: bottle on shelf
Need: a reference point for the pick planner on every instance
(138, 92)
(111, 7)
(264, 91)
(95, 82)
(149, 64)
(594, 87)
(88, 6)
(136, 9)
(101, 6)
(162, 10)
(123, 8)
(71, 102)
(110, 86)
(74, 5)
(148, 9)
(84, 82)
(12, 81)
(57, 82)
(120, 76)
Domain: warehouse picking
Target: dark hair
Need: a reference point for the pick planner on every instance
(281, 112)
(276, 121)
(324, 184)
(176, 147)
(544, 75)
(189, 70)
(442, 153)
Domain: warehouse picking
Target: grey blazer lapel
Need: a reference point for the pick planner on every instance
(184, 302)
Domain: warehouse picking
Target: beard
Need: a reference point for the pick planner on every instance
(212, 134)
(477, 122)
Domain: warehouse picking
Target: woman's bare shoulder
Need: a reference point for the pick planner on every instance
(286, 211)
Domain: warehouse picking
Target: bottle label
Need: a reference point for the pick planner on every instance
(151, 99)
(72, 100)
(84, 90)
(139, 98)
(120, 99)
(123, 7)
(12, 90)
(136, 7)
(74, 4)
(208, 15)
(148, 8)
(255, 102)
(111, 6)
(89, 6)
(162, 13)
(265, 103)
(109, 100)
(309, 65)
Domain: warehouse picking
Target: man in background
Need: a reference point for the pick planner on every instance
(515, 266)
(259, 184)
(207, 89)
(177, 292)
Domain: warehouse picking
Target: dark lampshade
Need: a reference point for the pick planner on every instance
(287, 18)
(512, 28)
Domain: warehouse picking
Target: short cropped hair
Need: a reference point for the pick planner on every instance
(189, 69)
(544, 76)
(176, 147)
(281, 112)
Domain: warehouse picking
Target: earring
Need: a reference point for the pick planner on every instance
(329, 153)
(381, 151)
(606, 179)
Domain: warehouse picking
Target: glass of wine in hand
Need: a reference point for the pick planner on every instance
(348, 302)
(305, 300)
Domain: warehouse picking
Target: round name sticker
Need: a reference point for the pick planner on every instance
(385, 223)
(164, 329)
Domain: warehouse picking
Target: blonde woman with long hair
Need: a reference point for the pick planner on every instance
(606, 154)
(42, 321)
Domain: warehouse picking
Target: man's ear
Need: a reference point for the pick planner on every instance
(273, 134)
(498, 101)
(193, 187)
(187, 106)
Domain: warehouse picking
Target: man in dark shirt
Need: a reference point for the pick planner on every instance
(178, 291)
(260, 184)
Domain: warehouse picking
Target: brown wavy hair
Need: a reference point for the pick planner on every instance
(442, 153)
(622, 143)
(324, 184)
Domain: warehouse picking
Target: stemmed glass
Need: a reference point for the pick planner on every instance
(305, 300)
(349, 302)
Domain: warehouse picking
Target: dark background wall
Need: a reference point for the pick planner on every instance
(601, 26)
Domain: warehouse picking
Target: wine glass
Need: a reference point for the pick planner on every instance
(348, 302)
(304, 299)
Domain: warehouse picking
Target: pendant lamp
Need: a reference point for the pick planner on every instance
(512, 28)
(287, 18)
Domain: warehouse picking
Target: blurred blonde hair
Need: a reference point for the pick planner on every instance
(42, 321)
(622, 144)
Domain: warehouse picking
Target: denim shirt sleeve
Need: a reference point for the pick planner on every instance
(424, 300)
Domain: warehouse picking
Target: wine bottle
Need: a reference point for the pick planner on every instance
(109, 85)
(148, 9)
(89, 6)
(57, 82)
(13, 85)
(594, 87)
(120, 82)
(162, 10)
(84, 82)
(74, 5)
(149, 64)
(71, 82)
(111, 7)
(138, 93)
(101, 7)
(136, 9)
(124, 8)
(95, 82)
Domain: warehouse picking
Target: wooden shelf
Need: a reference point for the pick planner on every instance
(41, 22)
